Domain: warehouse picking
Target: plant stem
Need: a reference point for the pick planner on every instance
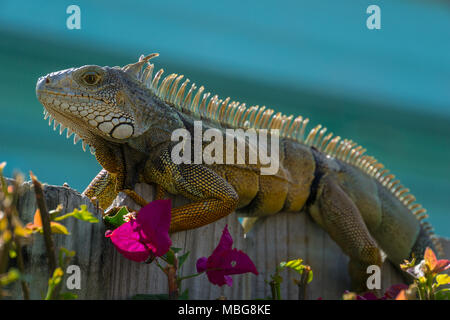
(275, 289)
(191, 276)
(160, 266)
(49, 245)
(171, 272)
(302, 284)
(421, 292)
(67, 215)
(51, 291)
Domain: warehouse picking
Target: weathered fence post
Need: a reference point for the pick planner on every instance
(287, 236)
(106, 274)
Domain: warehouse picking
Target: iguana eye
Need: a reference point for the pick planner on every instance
(91, 78)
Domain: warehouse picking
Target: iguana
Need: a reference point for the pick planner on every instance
(126, 116)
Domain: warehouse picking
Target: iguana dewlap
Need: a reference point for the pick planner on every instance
(127, 116)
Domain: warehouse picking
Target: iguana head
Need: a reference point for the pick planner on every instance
(97, 102)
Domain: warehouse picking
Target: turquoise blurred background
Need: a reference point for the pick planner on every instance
(386, 89)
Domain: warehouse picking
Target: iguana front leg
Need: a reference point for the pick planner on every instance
(213, 197)
(112, 179)
(339, 216)
(103, 188)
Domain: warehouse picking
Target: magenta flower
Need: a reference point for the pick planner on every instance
(368, 296)
(145, 236)
(390, 293)
(225, 261)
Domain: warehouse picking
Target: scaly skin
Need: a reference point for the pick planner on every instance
(128, 118)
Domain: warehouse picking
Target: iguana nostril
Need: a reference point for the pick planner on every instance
(47, 80)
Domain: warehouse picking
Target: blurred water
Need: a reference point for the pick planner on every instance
(386, 89)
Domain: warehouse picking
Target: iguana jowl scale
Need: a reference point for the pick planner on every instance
(127, 116)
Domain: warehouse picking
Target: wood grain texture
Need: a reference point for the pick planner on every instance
(287, 236)
(106, 274)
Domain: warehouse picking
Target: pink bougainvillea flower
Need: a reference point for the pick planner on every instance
(225, 261)
(368, 296)
(434, 265)
(145, 236)
(394, 291)
(390, 293)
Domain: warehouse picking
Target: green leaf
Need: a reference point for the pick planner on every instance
(170, 257)
(182, 259)
(68, 253)
(150, 297)
(12, 275)
(295, 265)
(117, 219)
(64, 256)
(12, 253)
(84, 214)
(443, 279)
(310, 276)
(53, 282)
(55, 227)
(57, 277)
(58, 228)
(175, 250)
(443, 294)
(68, 296)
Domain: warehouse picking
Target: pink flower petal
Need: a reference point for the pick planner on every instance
(228, 281)
(368, 296)
(127, 242)
(227, 263)
(234, 262)
(201, 264)
(225, 242)
(219, 279)
(154, 221)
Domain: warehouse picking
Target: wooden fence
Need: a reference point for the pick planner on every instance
(106, 274)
